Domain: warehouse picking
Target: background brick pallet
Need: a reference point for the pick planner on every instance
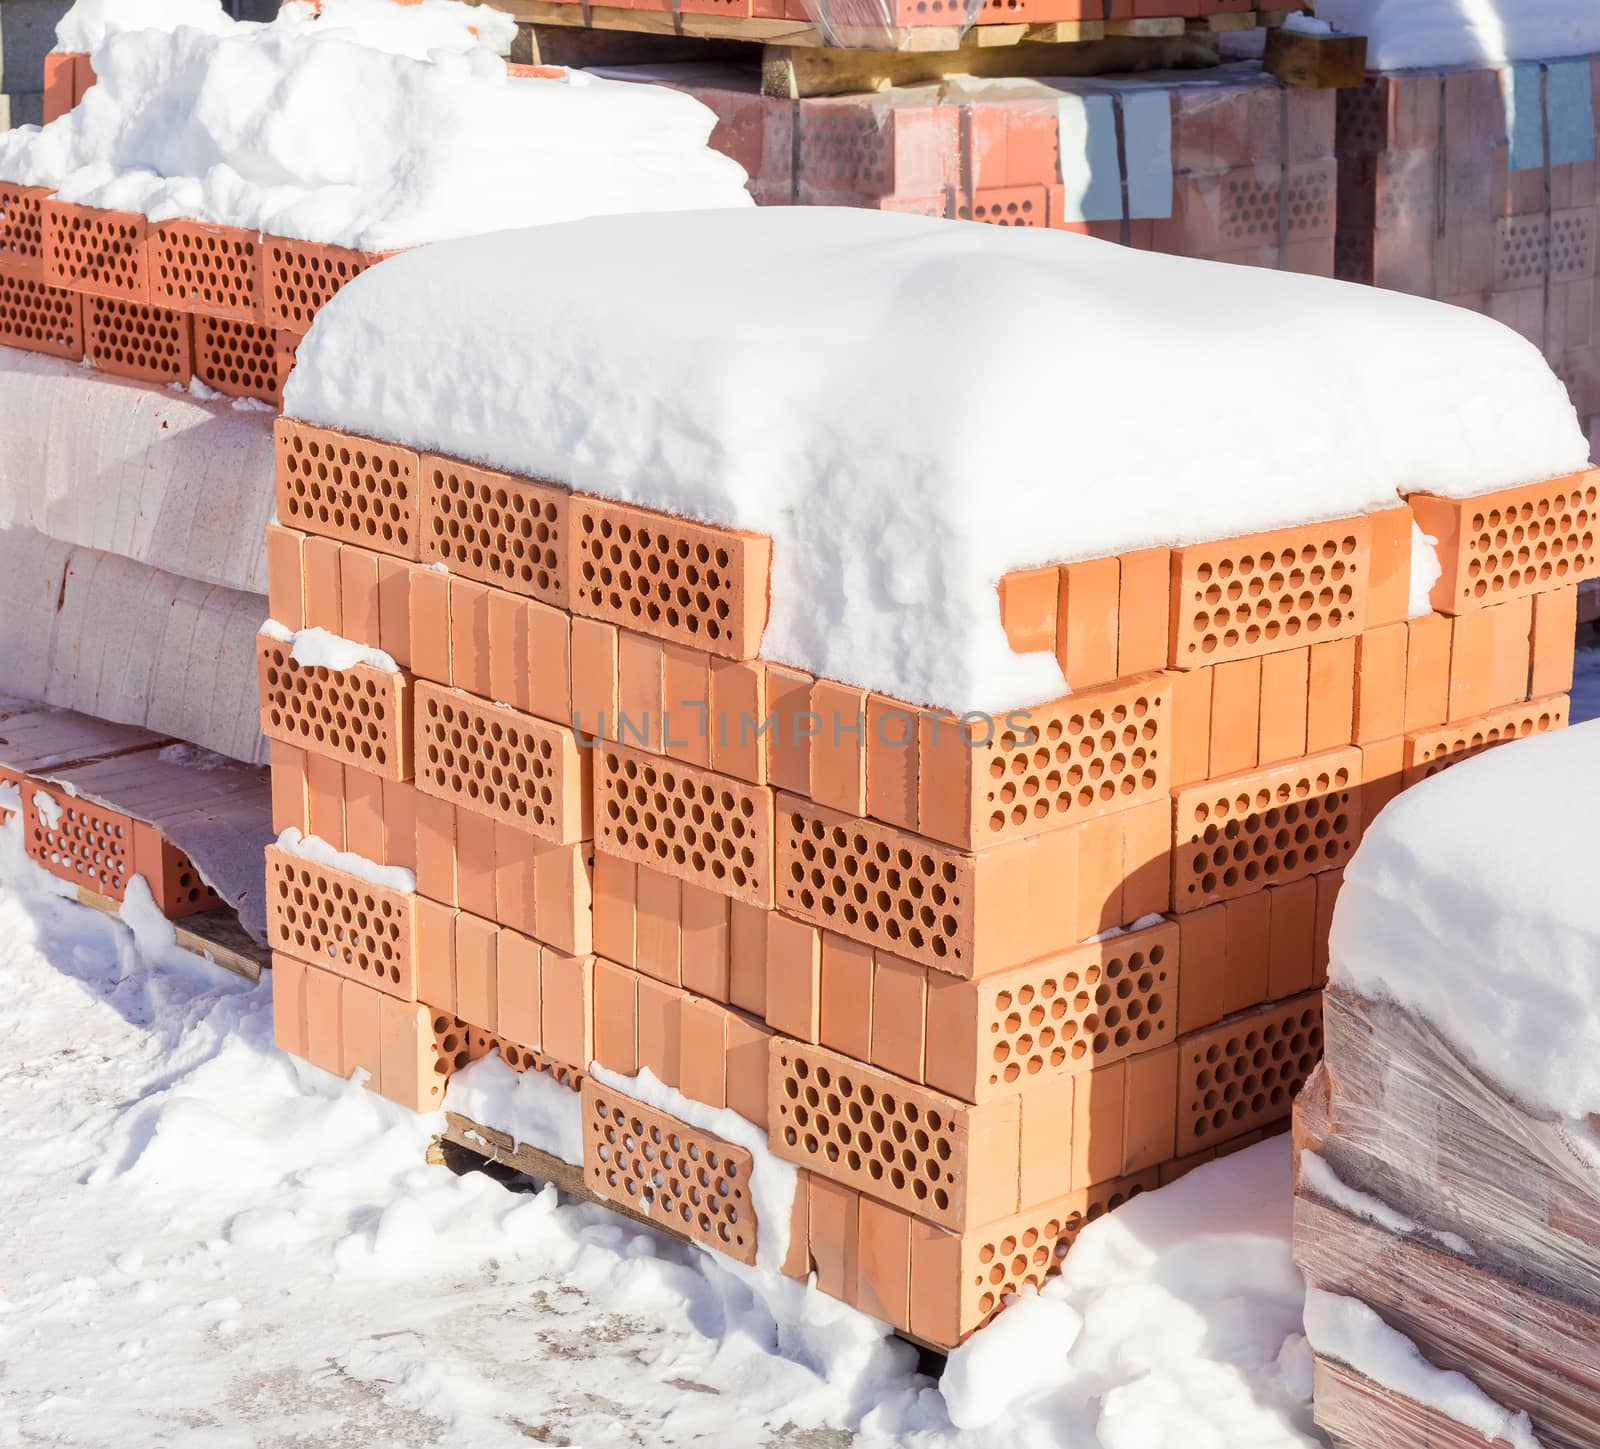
(863, 942)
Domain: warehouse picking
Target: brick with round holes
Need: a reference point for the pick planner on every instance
(1244, 1072)
(37, 317)
(243, 359)
(78, 841)
(696, 825)
(358, 716)
(102, 253)
(336, 920)
(689, 583)
(349, 488)
(22, 230)
(1429, 751)
(501, 763)
(1518, 541)
(198, 267)
(1094, 1004)
(495, 528)
(1038, 769)
(1240, 597)
(682, 1178)
(1235, 835)
(298, 277)
(947, 1161)
(134, 339)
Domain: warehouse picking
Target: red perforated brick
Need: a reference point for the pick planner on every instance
(1432, 750)
(77, 841)
(349, 488)
(342, 923)
(943, 1160)
(688, 582)
(104, 253)
(692, 824)
(133, 339)
(1504, 545)
(1266, 827)
(1268, 591)
(1089, 754)
(197, 267)
(301, 276)
(360, 716)
(1007, 206)
(22, 230)
(175, 884)
(495, 528)
(243, 359)
(1243, 1073)
(684, 1178)
(500, 762)
(40, 318)
(1097, 1003)
(479, 1043)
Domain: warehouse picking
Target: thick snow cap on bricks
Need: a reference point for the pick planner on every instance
(923, 406)
(1471, 904)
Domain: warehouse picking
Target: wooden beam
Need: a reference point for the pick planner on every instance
(215, 935)
(1320, 62)
(569, 46)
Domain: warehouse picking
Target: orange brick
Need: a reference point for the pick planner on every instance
(703, 919)
(1555, 622)
(469, 637)
(1382, 767)
(475, 864)
(659, 900)
(1389, 579)
(1235, 716)
(359, 617)
(1511, 652)
(838, 768)
(738, 710)
(428, 598)
(748, 1049)
(615, 911)
(845, 1016)
(794, 977)
(289, 1005)
(686, 688)
(616, 1018)
(1045, 1155)
(1098, 1122)
(789, 739)
(1285, 695)
(363, 814)
(320, 589)
(552, 691)
(899, 999)
(883, 1262)
(566, 1007)
(747, 957)
(324, 1033)
(1380, 683)
(1427, 671)
(659, 1036)
(1144, 610)
(1247, 962)
(703, 1051)
(289, 807)
(394, 609)
(436, 954)
(400, 824)
(477, 995)
(410, 1072)
(1150, 1114)
(1086, 622)
(1331, 702)
(1328, 884)
(1100, 874)
(285, 599)
(436, 848)
(594, 678)
(516, 981)
(508, 651)
(1202, 954)
(1292, 950)
(1028, 609)
(892, 761)
(1191, 726)
(832, 1228)
(1147, 859)
(514, 854)
(325, 799)
(1471, 664)
(563, 896)
(641, 691)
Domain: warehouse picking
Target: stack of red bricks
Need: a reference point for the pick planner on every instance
(1485, 1258)
(1229, 165)
(1479, 187)
(865, 926)
(162, 302)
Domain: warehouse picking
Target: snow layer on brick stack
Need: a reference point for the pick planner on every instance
(978, 978)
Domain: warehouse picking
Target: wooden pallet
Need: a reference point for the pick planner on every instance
(215, 935)
(799, 59)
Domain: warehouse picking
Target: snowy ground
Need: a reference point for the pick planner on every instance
(205, 1244)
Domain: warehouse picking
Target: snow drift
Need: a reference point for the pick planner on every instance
(1423, 34)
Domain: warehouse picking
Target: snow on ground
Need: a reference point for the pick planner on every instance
(208, 1244)
(1417, 34)
(323, 129)
(861, 419)
(1471, 904)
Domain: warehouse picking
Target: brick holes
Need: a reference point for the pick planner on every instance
(496, 528)
(22, 229)
(351, 715)
(136, 340)
(339, 921)
(1244, 1074)
(95, 850)
(103, 252)
(348, 488)
(241, 359)
(1522, 547)
(40, 318)
(201, 268)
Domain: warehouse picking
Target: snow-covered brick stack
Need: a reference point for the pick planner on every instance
(1447, 1197)
(1227, 164)
(1478, 185)
(707, 669)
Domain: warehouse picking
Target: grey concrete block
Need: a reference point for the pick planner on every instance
(27, 33)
